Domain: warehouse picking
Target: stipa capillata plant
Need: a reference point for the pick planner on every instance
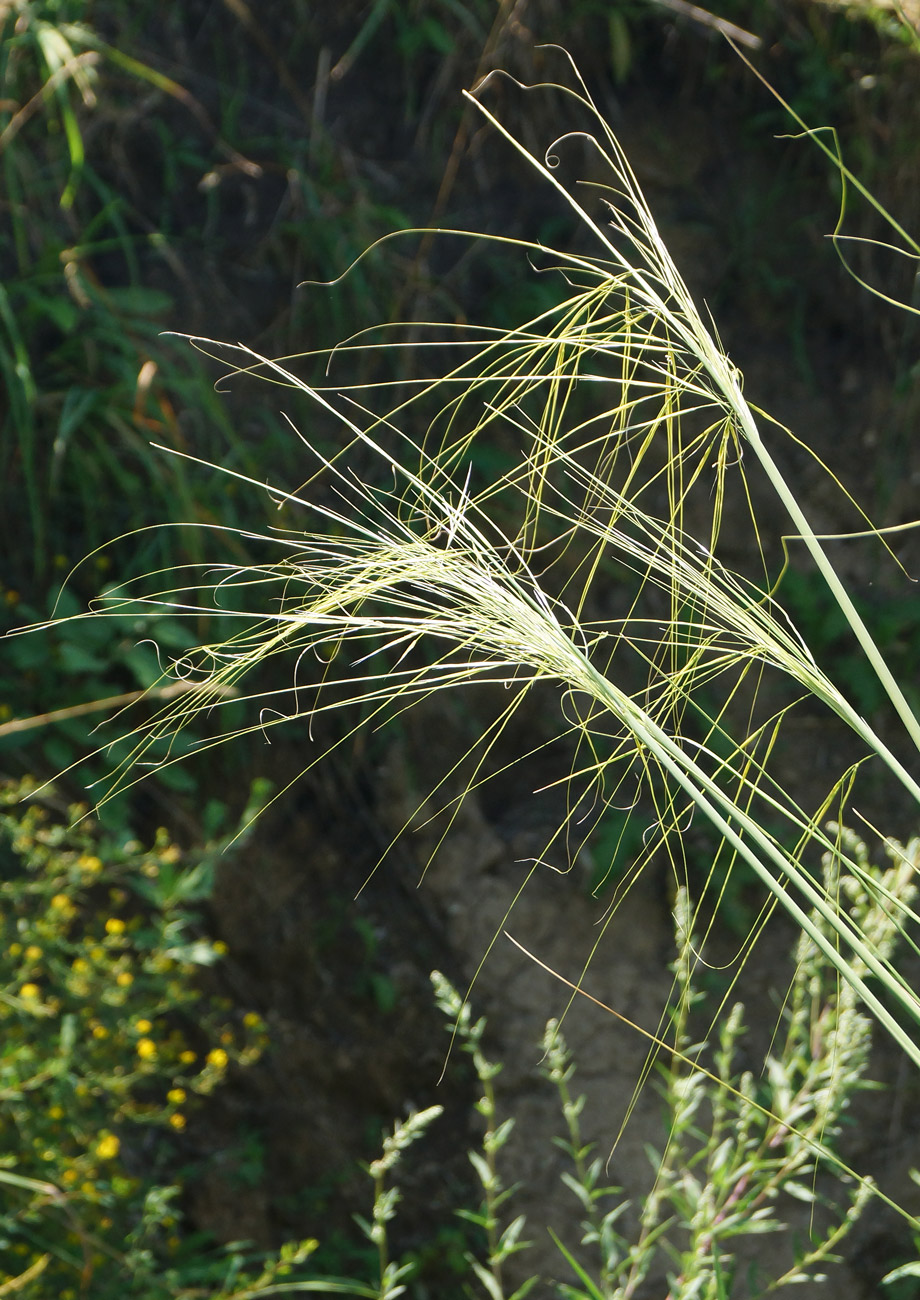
(422, 574)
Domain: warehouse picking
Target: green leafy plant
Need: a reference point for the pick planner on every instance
(501, 1242)
(91, 378)
(741, 1152)
(109, 1047)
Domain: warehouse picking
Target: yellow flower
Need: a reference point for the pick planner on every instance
(252, 1020)
(177, 1121)
(55, 1112)
(80, 965)
(124, 978)
(89, 862)
(146, 1049)
(108, 1146)
(217, 1057)
(100, 1031)
(61, 903)
(187, 1057)
(114, 925)
(176, 1096)
(30, 992)
(69, 1176)
(15, 949)
(143, 1026)
(226, 1038)
(219, 947)
(33, 952)
(97, 953)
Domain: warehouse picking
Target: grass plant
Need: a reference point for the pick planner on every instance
(437, 581)
(594, 562)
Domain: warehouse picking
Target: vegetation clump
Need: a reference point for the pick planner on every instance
(109, 1046)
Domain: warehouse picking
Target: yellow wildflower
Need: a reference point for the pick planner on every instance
(33, 952)
(146, 1049)
(143, 1026)
(114, 925)
(217, 1057)
(176, 1096)
(177, 1121)
(124, 978)
(108, 1146)
(30, 992)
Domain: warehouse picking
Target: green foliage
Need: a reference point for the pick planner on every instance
(80, 352)
(108, 1049)
(386, 1199)
(903, 1279)
(80, 662)
(740, 1151)
(894, 618)
(501, 1241)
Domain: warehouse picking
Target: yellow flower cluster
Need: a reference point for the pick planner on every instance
(96, 986)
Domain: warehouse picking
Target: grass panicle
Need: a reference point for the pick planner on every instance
(597, 560)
